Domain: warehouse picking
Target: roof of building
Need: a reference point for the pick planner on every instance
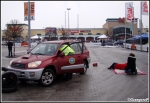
(18, 24)
(78, 29)
(115, 19)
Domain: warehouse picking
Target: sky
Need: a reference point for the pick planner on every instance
(92, 14)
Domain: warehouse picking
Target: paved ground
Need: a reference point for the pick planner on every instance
(98, 84)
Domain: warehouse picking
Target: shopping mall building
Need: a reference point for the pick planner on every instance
(113, 28)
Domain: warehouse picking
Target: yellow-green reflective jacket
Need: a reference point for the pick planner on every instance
(67, 50)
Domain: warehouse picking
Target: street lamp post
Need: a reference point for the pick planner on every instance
(68, 20)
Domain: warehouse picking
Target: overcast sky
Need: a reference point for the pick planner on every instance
(52, 13)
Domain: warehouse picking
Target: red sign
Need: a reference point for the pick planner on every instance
(145, 7)
(130, 14)
(86, 31)
(121, 20)
(74, 31)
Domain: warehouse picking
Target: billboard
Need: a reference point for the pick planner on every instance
(32, 11)
(50, 30)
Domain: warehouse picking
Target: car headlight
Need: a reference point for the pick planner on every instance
(34, 64)
(11, 62)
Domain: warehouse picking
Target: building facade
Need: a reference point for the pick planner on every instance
(114, 28)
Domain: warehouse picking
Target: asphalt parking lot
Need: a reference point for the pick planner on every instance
(98, 84)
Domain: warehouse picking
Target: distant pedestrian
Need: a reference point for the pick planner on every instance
(9, 44)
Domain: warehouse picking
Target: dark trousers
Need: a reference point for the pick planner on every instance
(113, 65)
(129, 71)
(10, 52)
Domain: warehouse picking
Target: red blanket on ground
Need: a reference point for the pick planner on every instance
(120, 66)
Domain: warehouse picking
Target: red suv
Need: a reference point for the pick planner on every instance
(45, 61)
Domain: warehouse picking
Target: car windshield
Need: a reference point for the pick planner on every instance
(45, 49)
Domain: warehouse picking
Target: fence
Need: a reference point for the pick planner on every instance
(93, 44)
(137, 46)
(22, 45)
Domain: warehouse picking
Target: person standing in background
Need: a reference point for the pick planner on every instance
(9, 44)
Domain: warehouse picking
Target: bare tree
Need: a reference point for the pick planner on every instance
(7, 34)
(64, 32)
(13, 30)
(110, 32)
(50, 32)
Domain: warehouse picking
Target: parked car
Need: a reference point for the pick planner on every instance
(119, 42)
(109, 43)
(43, 66)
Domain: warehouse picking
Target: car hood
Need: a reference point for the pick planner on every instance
(31, 58)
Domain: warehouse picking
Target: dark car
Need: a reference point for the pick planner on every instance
(109, 43)
(119, 42)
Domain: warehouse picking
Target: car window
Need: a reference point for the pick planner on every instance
(38, 49)
(75, 47)
(84, 48)
(45, 49)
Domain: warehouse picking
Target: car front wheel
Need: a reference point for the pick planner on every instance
(47, 77)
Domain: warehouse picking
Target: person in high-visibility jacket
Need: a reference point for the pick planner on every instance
(67, 50)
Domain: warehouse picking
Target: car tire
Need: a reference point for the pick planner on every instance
(9, 80)
(10, 90)
(85, 67)
(47, 78)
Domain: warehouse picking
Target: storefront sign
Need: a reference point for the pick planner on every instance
(74, 31)
(129, 13)
(121, 20)
(85, 31)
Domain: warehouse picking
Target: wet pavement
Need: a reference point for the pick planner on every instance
(98, 84)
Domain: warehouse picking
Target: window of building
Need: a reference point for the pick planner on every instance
(38, 34)
(80, 33)
(98, 33)
(89, 33)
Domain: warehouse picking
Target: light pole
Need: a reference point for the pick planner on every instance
(68, 20)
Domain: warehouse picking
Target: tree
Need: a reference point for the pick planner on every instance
(64, 32)
(13, 30)
(110, 32)
(50, 32)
